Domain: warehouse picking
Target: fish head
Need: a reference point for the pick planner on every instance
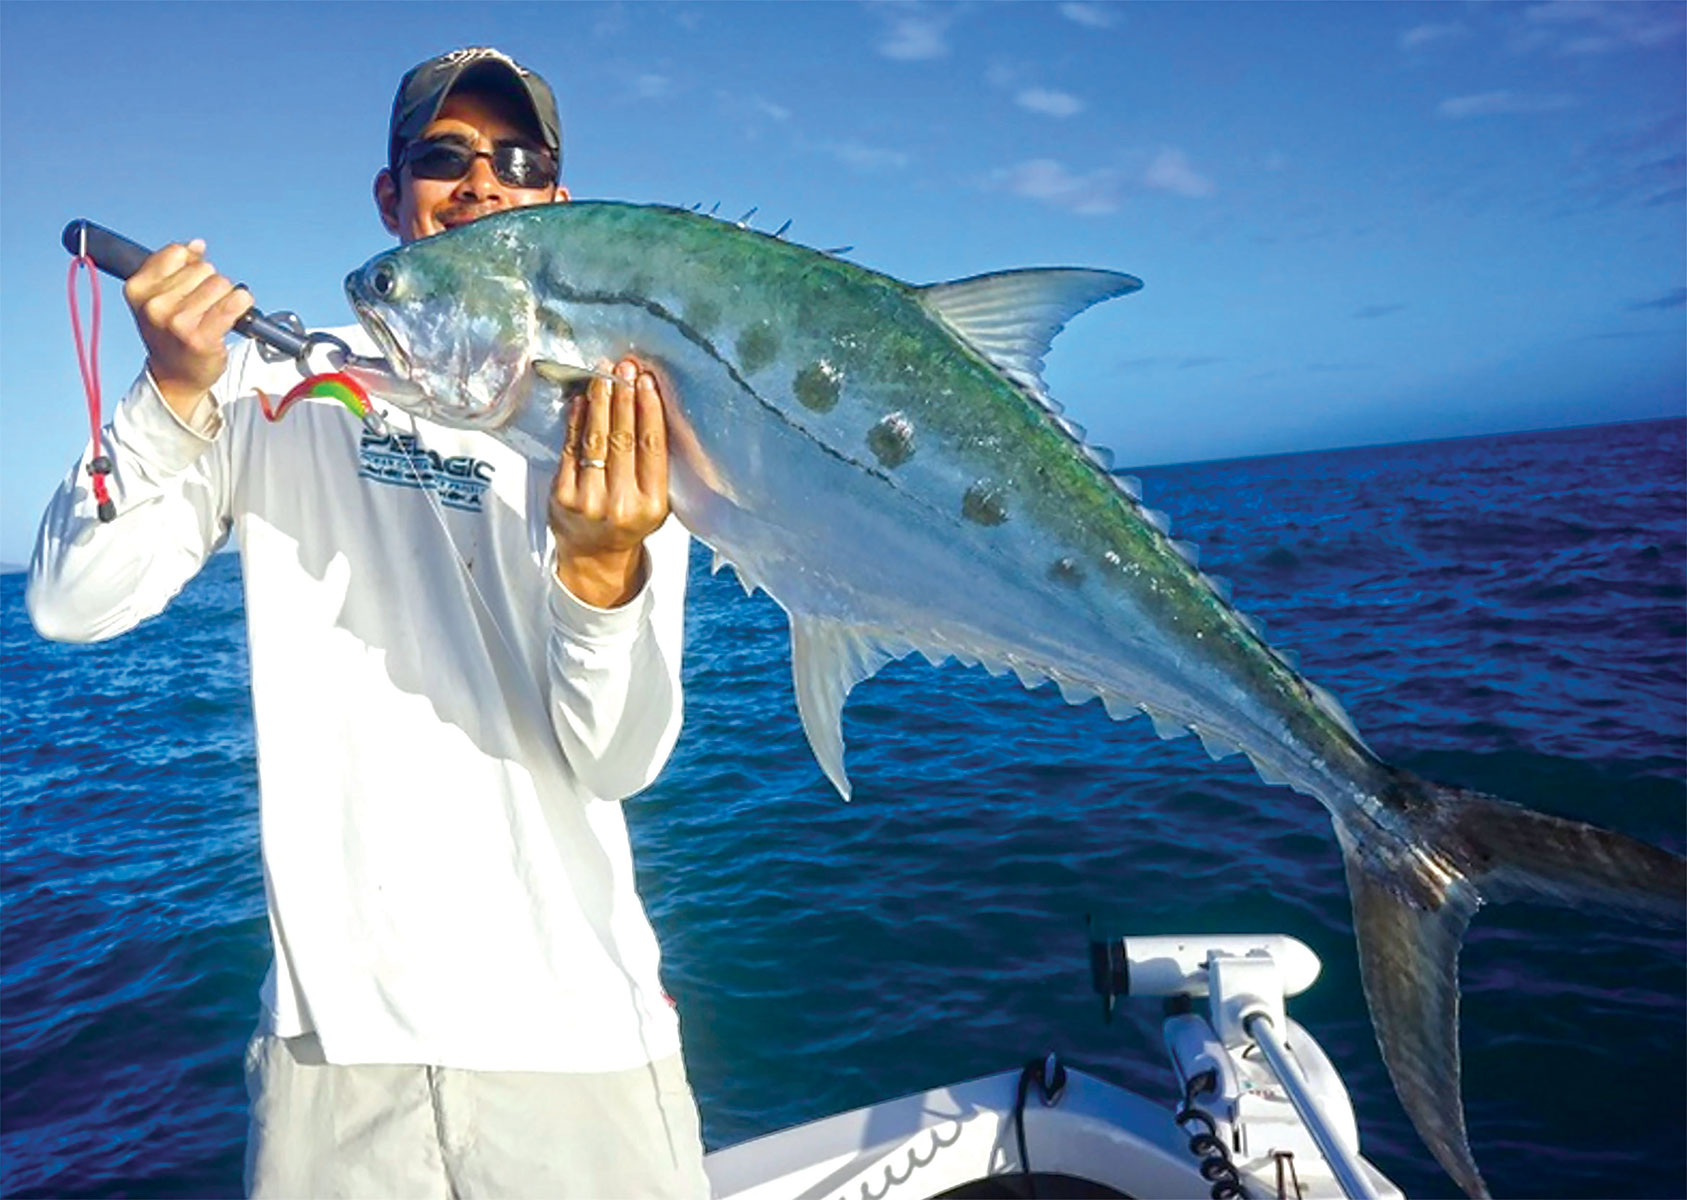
(454, 314)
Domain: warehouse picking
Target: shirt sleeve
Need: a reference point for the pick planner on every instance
(614, 674)
(91, 580)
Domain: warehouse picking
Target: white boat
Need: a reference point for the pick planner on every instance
(1262, 1111)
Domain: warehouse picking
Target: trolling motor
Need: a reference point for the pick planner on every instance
(280, 336)
(1258, 1085)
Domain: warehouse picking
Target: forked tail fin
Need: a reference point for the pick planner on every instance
(1413, 898)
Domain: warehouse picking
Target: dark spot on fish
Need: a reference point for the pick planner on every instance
(1066, 571)
(892, 440)
(983, 504)
(758, 345)
(817, 385)
(702, 315)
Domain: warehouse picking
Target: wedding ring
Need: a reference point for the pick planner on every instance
(594, 463)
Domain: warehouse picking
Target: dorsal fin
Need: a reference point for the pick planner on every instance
(1010, 317)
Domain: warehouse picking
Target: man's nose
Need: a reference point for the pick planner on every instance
(481, 182)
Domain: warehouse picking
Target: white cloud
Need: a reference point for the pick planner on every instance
(913, 34)
(650, 86)
(1420, 36)
(1170, 171)
(859, 156)
(611, 21)
(1094, 16)
(1092, 193)
(1578, 27)
(1050, 103)
(1503, 102)
(754, 114)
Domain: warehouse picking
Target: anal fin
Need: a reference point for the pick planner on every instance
(829, 657)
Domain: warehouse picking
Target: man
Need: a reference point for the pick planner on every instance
(458, 670)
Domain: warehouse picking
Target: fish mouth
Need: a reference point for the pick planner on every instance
(383, 337)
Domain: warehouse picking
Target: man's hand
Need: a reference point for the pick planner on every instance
(611, 488)
(183, 310)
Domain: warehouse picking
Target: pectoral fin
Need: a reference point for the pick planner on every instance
(566, 374)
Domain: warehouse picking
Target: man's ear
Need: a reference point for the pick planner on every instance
(386, 199)
(562, 196)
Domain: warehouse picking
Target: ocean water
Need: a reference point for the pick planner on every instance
(1505, 613)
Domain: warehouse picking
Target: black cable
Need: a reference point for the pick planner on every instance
(1215, 1164)
(1050, 1076)
(1019, 1126)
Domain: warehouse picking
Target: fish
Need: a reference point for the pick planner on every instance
(885, 461)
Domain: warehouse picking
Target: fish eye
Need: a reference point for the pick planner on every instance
(383, 281)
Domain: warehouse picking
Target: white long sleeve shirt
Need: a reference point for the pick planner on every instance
(443, 731)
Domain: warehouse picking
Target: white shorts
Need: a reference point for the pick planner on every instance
(436, 1133)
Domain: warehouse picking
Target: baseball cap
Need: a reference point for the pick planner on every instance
(424, 88)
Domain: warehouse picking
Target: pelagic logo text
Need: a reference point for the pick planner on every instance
(398, 458)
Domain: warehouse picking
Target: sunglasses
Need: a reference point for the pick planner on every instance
(515, 165)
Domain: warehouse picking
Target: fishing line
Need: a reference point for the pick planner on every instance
(636, 994)
(438, 510)
(347, 391)
(581, 371)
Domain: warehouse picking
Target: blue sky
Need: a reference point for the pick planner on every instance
(1356, 223)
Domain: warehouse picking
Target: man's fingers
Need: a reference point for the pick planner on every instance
(232, 307)
(594, 427)
(168, 291)
(159, 265)
(651, 427)
(588, 440)
(163, 264)
(194, 303)
(616, 505)
(201, 311)
(620, 474)
(571, 438)
(567, 471)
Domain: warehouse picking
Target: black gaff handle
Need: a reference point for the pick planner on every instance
(112, 253)
(120, 258)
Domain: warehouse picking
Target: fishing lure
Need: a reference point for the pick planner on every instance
(331, 385)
